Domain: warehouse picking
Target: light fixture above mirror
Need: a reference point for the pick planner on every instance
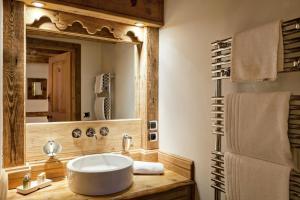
(139, 24)
(38, 4)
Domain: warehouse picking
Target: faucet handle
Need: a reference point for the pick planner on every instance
(127, 142)
(104, 131)
(90, 132)
(76, 133)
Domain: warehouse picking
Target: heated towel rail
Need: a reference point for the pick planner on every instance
(221, 60)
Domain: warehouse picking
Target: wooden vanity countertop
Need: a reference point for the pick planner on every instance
(143, 185)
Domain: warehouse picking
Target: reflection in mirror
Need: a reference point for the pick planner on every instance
(37, 88)
(85, 80)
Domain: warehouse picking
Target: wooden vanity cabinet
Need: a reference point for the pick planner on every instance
(180, 193)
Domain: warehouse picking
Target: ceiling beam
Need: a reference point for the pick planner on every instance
(149, 13)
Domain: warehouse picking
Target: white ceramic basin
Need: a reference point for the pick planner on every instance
(100, 174)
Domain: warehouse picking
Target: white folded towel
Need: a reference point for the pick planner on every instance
(253, 179)
(256, 125)
(99, 84)
(3, 184)
(257, 54)
(151, 168)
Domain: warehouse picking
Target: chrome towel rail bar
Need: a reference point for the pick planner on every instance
(221, 66)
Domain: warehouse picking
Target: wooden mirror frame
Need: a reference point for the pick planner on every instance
(14, 35)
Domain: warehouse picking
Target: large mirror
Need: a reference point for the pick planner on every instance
(85, 80)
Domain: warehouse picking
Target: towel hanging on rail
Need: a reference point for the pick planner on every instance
(252, 179)
(99, 108)
(257, 54)
(256, 125)
(99, 84)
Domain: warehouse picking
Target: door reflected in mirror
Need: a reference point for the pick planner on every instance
(83, 80)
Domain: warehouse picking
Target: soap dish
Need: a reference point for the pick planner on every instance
(34, 187)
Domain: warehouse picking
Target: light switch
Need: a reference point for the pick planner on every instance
(152, 125)
(153, 136)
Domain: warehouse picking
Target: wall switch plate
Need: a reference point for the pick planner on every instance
(86, 115)
(153, 136)
(152, 125)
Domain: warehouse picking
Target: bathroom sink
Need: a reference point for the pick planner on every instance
(100, 174)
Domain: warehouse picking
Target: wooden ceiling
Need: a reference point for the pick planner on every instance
(39, 54)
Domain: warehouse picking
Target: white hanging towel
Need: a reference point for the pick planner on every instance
(99, 84)
(253, 179)
(99, 108)
(256, 125)
(257, 54)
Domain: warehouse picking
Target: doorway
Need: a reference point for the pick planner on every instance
(61, 61)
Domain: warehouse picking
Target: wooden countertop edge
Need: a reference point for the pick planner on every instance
(156, 190)
(136, 194)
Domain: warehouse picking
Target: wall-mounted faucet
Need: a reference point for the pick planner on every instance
(104, 131)
(90, 132)
(127, 142)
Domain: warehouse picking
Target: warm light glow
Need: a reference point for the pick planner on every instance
(139, 24)
(38, 4)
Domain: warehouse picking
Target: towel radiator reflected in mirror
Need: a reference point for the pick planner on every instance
(221, 60)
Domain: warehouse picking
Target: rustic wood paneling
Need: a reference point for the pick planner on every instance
(180, 165)
(36, 59)
(180, 193)
(16, 175)
(169, 186)
(79, 26)
(152, 78)
(38, 134)
(39, 55)
(14, 128)
(13, 83)
(149, 83)
(37, 114)
(150, 12)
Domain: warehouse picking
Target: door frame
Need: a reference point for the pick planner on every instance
(75, 50)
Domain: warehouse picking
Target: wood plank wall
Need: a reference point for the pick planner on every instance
(149, 83)
(150, 10)
(178, 164)
(152, 78)
(38, 134)
(13, 83)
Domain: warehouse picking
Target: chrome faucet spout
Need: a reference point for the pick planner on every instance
(127, 142)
